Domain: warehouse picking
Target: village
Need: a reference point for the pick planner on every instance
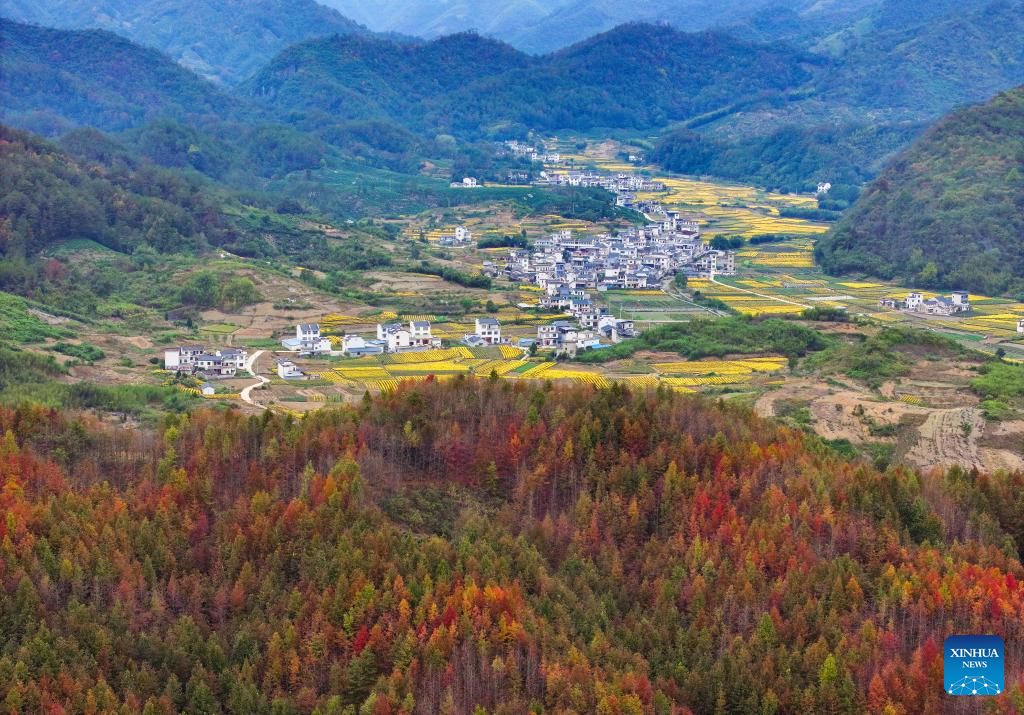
(573, 273)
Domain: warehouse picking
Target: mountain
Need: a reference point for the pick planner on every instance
(435, 18)
(361, 77)
(635, 76)
(466, 547)
(540, 26)
(925, 57)
(947, 212)
(224, 40)
(54, 80)
(882, 74)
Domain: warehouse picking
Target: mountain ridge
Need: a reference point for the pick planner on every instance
(223, 40)
(948, 212)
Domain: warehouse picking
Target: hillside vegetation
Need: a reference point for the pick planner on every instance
(636, 76)
(48, 196)
(54, 80)
(486, 547)
(949, 211)
(794, 158)
(224, 40)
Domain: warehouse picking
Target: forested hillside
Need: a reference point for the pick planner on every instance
(48, 196)
(224, 40)
(636, 76)
(793, 158)
(923, 56)
(949, 211)
(487, 547)
(55, 80)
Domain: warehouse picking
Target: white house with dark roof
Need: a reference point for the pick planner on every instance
(308, 341)
(357, 346)
(958, 302)
(287, 370)
(183, 357)
(489, 330)
(420, 333)
(216, 364)
(307, 331)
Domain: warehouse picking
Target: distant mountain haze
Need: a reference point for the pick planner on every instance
(540, 26)
(56, 80)
(223, 40)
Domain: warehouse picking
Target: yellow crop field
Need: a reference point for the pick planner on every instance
(786, 260)
(509, 353)
(589, 378)
(499, 366)
(362, 373)
(439, 366)
(722, 367)
(640, 381)
(706, 380)
(860, 286)
(535, 371)
(422, 356)
(338, 319)
(773, 309)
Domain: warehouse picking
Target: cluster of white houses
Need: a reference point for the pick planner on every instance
(461, 236)
(958, 302)
(521, 150)
(566, 264)
(616, 183)
(212, 365)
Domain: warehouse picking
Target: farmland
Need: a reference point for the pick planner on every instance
(776, 278)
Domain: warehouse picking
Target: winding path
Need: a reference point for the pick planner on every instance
(250, 365)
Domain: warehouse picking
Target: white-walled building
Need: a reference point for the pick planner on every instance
(216, 364)
(420, 333)
(616, 329)
(287, 370)
(307, 331)
(182, 357)
(488, 329)
(357, 346)
(398, 338)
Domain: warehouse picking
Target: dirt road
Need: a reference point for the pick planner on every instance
(250, 365)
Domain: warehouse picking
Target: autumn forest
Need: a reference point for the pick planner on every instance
(487, 547)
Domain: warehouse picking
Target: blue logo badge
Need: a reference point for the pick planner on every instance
(973, 665)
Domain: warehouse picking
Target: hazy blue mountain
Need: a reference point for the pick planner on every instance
(54, 80)
(499, 18)
(225, 40)
(539, 26)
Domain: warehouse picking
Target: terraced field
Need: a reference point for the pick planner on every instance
(386, 371)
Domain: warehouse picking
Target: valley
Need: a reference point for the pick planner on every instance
(564, 356)
(905, 418)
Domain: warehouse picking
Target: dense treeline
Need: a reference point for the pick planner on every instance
(46, 196)
(489, 547)
(469, 85)
(794, 158)
(949, 211)
(715, 338)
